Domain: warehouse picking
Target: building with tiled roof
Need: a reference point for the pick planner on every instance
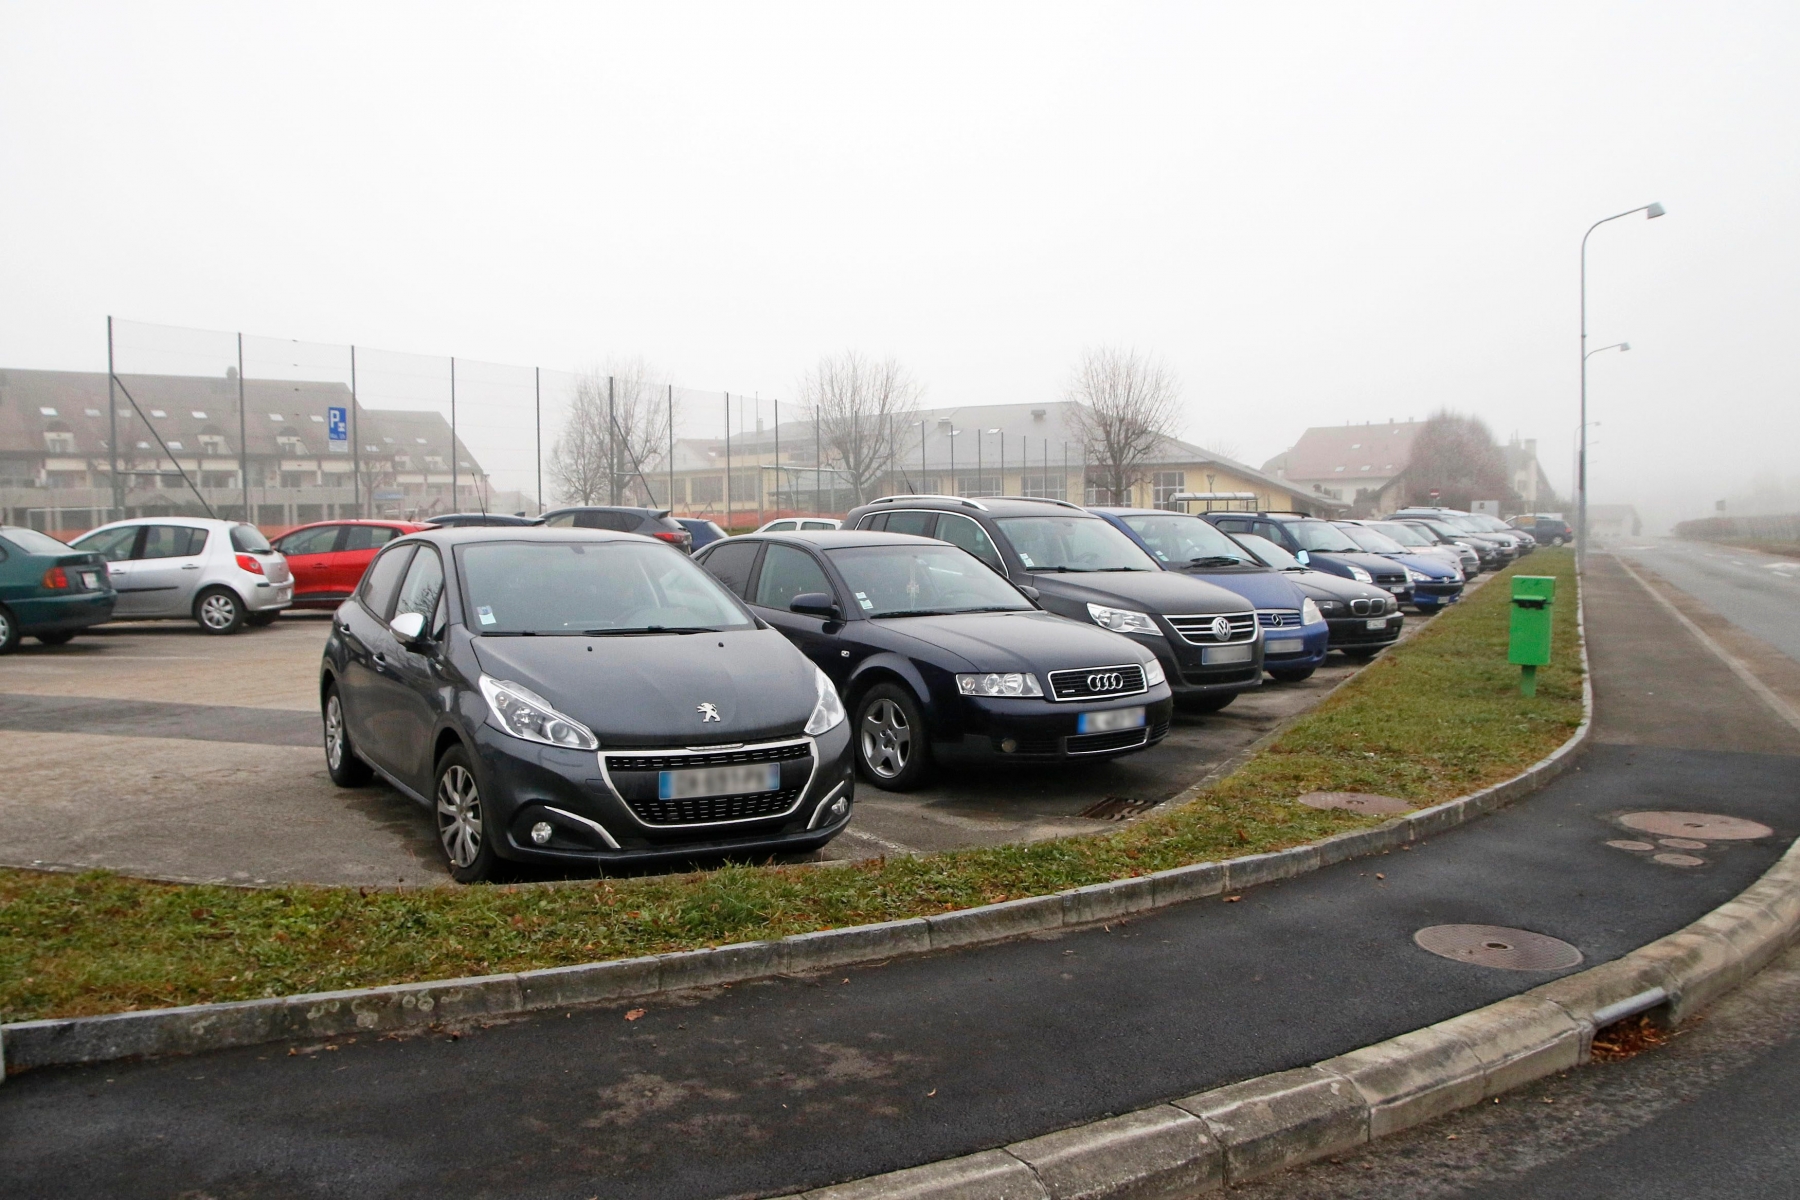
(1345, 462)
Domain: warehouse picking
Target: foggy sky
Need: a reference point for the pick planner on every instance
(1314, 213)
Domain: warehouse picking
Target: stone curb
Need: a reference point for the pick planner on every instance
(201, 1027)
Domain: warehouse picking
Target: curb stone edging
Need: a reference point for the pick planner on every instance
(189, 1029)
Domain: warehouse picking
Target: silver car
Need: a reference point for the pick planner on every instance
(222, 574)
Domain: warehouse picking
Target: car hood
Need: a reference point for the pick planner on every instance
(1426, 564)
(1319, 585)
(649, 691)
(1020, 641)
(1144, 591)
(1264, 589)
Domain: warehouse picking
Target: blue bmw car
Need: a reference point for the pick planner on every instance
(1295, 634)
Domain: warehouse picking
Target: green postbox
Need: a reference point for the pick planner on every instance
(1533, 602)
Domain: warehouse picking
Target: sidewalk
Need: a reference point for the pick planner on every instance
(767, 1088)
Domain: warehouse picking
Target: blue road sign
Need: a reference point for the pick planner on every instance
(337, 429)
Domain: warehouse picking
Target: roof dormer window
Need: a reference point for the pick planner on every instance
(47, 412)
(158, 413)
(198, 415)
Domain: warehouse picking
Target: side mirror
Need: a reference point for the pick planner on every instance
(815, 604)
(1302, 557)
(409, 628)
(1029, 592)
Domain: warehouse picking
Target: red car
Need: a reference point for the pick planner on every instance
(328, 559)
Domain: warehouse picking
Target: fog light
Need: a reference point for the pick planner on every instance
(1008, 745)
(840, 806)
(540, 833)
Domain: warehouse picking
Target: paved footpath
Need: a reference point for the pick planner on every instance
(766, 1088)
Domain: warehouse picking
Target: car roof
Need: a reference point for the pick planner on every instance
(383, 522)
(462, 535)
(630, 508)
(996, 506)
(837, 539)
(1141, 512)
(173, 519)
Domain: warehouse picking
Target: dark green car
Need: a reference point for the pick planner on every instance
(47, 590)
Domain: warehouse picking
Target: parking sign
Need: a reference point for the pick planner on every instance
(337, 429)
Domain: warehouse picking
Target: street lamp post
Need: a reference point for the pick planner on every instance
(1651, 212)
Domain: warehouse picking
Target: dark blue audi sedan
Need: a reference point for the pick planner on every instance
(942, 660)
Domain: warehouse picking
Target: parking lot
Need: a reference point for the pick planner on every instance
(154, 749)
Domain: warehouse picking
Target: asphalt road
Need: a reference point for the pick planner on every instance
(1758, 593)
(770, 1087)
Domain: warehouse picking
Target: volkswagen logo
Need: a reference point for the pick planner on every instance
(1221, 629)
(1105, 681)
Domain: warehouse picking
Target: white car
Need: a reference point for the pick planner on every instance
(221, 574)
(791, 524)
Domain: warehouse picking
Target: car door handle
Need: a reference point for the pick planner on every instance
(191, 567)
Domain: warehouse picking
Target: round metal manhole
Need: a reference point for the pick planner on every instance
(1710, 827)
(1678, 860)
(1681, 843)
(1625, 844)
(1361, 802)
(1498, 946)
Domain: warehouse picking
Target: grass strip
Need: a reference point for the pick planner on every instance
(1435, 718)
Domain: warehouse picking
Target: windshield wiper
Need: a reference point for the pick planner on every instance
(644, 629)
(1120, 568)
(1215, 560)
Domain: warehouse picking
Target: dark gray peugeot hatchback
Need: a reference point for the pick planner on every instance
(582, 697)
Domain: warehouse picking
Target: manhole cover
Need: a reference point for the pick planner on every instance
(1709, 827)
(1356, 802)
(1116, 808)
(1678, 860)
(1497, 946)
(1681, 843)
(1623, 844)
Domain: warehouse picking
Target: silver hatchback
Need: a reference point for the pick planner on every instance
(221, 574)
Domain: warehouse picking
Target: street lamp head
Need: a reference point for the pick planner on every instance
(1653, 212)
(1624, 345)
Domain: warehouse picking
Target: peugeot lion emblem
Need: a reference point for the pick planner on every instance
(1221, 628)
(708, 712)
(1109, 681)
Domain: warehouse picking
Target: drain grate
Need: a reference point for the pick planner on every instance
(1498, 946)
(1709, 827)
(1116, 808)
(1356, 802)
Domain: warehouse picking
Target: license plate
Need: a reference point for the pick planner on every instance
(1377, 623)
(1284, 646)
(90, 580)
(1398, 589)
(1106, 722)
(1227, 654)
(718, 781)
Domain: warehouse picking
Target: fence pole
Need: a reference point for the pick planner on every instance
(355, 440)
(818, 460)
(244, 438)
(112, 419)
(778, 458)
(612, 444)
(453, 479)
(922, 456)
(537, 407)
(759, 483)
(671, 388)
(727, 462)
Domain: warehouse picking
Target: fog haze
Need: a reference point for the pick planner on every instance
(1314, 213)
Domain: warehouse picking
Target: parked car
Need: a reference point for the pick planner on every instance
(465, 520)
(793, 524)
(1511, 542)
(704, 532)
(1423, 541)
(223, 575)
(940, 659)
(328, 558)
(1487, 524)
(650, 522)
(1320, 545)
(1492, 553)
(1364, 619)
(1079, 566)
(579, 696)
(1294, 632)
(48, 590)
(1548, 528)
(1436, 582)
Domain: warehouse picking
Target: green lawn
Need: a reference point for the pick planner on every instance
(1436, 718)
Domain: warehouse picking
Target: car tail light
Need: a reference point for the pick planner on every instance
(247, 562)
(668, 536)
(56, 579)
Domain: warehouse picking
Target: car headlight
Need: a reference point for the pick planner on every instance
(828, 712)
(1121, 620)
(516, 709)
(1153, 673)
(1360, 575)
(1417, 576)
(1309, 613)
(1012, 683)
(1331, 607)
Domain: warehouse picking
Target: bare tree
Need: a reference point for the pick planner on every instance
(1455, 456)
(617, 429)
(863, 407)
(1125, 409)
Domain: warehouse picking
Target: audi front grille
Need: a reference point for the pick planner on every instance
(1097, 683)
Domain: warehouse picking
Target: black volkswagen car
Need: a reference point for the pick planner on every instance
(939, 659)
(579, 696)
(1082, 568)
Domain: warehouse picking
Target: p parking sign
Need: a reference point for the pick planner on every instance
(337, 429)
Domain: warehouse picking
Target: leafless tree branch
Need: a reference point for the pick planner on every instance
(863, 407)
(1126, 408)
(618, 424)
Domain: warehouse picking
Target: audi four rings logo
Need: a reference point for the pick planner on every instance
(1105, 681)
(1221, 628)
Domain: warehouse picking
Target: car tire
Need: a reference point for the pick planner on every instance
(56, 639)
(1361, 656)
(1556, 541)
(892, 749)
(346, 767)
(1205, 704)
(1291, 674)
(218, 610)
(261, 620)
(463, 832)
(9, 631)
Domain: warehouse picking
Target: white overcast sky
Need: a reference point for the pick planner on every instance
(1315, 213)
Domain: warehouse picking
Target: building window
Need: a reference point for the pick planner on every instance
(1042, 486)
(289, 442)
(978, 485)
(1096, 491)
(299, 479)
(707, 489)
(1168, 484)
(214, 444)
(59, 441)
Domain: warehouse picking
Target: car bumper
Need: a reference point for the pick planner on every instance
(993, 728)
(60, 614)
(269, 597)
(1313, 642)
(1355, 633)
(1429, 597)
(524, 783)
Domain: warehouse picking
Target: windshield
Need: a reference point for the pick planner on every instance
(1065, 543)
(591, 587)
(1270, 553)
(1491, 524)
(1182, 541)
(1447, 532)
(1406, 535)
(1465, 523)
(33, 542)
(902, 581)
(1319, 536)
(1368, 539)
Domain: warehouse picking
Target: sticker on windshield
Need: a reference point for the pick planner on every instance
(1026, 559)
(863, 599)
(486, 614)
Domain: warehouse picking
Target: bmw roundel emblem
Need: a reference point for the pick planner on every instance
(1221, 628)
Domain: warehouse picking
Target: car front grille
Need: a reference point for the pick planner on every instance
(1372, 607)
(633, 777)
(1099, 743)
(1094, 682)
(721, 758)
(1390, 578)
(1198, 630)
(1278, 618)
(710, 810)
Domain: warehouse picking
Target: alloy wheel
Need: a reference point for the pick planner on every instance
(459, 815)
(334, 732)
(886, 739)
(218, 611)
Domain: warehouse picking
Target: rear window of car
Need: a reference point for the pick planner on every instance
(32, 542)
(249, 539)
